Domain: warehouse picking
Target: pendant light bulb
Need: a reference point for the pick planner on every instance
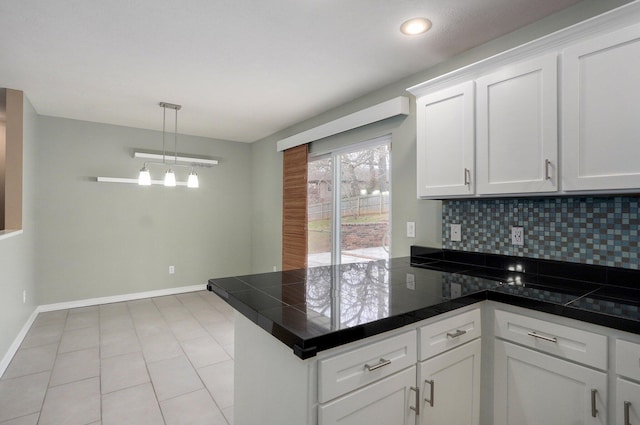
(170, 178)
(193, 180)
(144, 178)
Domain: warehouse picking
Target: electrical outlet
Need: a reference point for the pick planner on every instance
(411, 229)
(517, 235)
(172, 269)
(456, 290)
(275, 269)
(411, 281)
(24, 296)
(456, 233)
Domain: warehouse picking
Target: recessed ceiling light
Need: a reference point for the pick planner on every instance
(415, 26)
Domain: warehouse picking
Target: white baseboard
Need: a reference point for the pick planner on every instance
(86, 303)
(13, 348)
(121, 298)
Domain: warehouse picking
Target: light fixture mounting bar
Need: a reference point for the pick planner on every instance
(200, 162)
(170, 105)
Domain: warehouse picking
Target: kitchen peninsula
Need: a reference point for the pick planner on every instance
(341, 344)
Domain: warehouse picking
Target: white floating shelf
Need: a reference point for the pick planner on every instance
(133, 181)
(171, 158)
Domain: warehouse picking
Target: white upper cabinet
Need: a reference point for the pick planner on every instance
(557, 115)
(445, 142)
(517, 129)
(601, 119)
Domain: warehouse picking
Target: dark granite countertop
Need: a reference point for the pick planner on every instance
(323, 307)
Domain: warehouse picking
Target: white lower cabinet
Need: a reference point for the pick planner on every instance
(384, 382)
(532, 388)
(450, 387)
(627, 402)
(388, 401)
(547, 370)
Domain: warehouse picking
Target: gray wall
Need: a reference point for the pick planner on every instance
(17, 258)
(267, 246)
(102, 239)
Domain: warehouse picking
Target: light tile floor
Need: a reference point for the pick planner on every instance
(165, 360)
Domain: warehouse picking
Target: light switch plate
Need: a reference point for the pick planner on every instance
(456, 232)
(411, 229)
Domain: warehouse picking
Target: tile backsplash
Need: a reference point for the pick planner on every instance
(602, 231)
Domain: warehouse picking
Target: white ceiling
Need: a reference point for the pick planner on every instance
(242, 69)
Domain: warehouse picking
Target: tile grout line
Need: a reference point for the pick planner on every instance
(146, 364)
(191, 310)
(198, 374)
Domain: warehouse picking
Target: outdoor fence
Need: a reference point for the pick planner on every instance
(357, 206)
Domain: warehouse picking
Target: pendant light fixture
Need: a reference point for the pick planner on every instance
(192, 181)
(144, 178)
(170, 178)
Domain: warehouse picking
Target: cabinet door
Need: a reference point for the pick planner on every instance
(450, 387)
(388, 401)
(445, 143)
(627, 402)
(601, 129)
(531, 388)
(517, 128)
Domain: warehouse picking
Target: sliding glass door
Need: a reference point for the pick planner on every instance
(349, 222)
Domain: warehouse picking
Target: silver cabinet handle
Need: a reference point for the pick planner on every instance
(547, 165)
(417, 408)
(432, 385)
(546, 338)
(456, 334)
(627, 407)
(381, 363)
(594, 411)
(467, 177)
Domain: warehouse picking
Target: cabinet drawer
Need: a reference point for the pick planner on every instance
(347, 371)
(563, 341)
(449, 333)
(628, 359)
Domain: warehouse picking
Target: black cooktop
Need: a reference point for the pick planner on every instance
(318, 308)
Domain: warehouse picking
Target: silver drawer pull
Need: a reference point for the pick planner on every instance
(546, 338)
(431, 390)
(456, 333)
(381, 363)
(594, 411)
(547, 164)
(627, 407)
(417, 408)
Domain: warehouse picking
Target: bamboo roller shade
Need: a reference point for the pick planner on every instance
(294, 208)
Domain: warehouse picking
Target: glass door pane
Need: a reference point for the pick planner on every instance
(364, 204)
(319, 211)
